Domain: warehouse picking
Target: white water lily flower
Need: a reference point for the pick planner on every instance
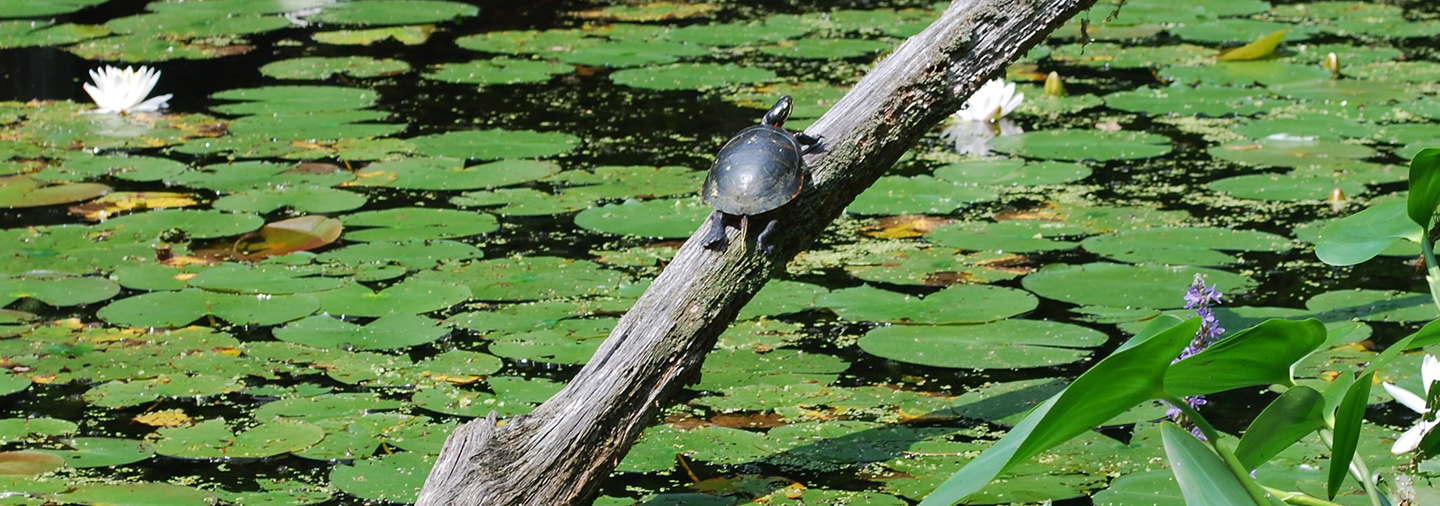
(991, 102)
(124, 91)
(1429, 374)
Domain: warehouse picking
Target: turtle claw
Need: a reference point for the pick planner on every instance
(715, 239)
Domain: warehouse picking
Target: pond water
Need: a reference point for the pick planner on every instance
(359, 224)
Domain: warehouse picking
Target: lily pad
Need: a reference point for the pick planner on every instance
(56, 290)
(495, 144)
(531, 278)
(386, 332)
(195, 224)
(1183, 246)
(394, 12)
(177, 309)
(691, 76)
(406, 297)
(138, 494)
(24, 191)
(412, 254)
(451, 174)
(1184, 100)
(1083, 145)
(1005, 344)
(1009, 172)
(663, 218)
(499, 71)
(403, 224)
(1012, 236)
(320, 68)
(213, 439)
(917, 195)
(1119, 285)
(956, 304)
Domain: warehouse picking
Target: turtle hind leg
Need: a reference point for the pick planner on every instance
(763, 241)
(715, 239)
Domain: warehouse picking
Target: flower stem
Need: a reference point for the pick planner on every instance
(1256, 492)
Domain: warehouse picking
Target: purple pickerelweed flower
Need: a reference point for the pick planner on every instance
(1199, 298)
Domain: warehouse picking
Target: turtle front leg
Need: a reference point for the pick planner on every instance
(763, 241)
(715, 239)
(808, 142)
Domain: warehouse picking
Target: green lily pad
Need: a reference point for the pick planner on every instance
(1291, 186)
(56, 290)
(119, 394)
(450, 400)
(931, 267)
(316, 125)
(31, 9)
(624, 182)
(278, 492)
(387, 332)
(1348, 93)
(1375, 305)
(1218, 31)
(499, 71)
(1013, 236)
(1291, 152)
(196, 224)
(213, 439)
(827, 48)
(182, 25)
(1010, 172)
(956, 304)
(138, 494)
(294, 99)
(1119, 285)
(524, 201)
(24, 191)
(1185, 100)
(412, 254)
(321, 68)
(569, 342)
(31, 33)
(403, 298)
(917, 195)
(628, 53)
(85, 452)
(1083, 145)
(412, 35)
(1005, 344)
(691, 76)
(1236, 73)
(494, 144)
(451, 174)
(394, 12)
(735, 34)
(1106, 54)
(252, 175)
(662, 218)
(1007, 403)
(1322, 127)
(312, 409)
(177, 309)
(302, 199)
(20, 429)
(532, 278)
(273, 280)
(1183, 246)
(413, 223)
(461, 363)
(130, 168)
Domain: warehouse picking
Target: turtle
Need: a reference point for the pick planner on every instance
(757, 171)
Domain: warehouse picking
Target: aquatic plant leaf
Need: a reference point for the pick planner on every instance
(1257, 356)
(630, 53)
(385, 333)
(450, 174)
(137, 494)
(649, 11)
(1157, 488)
(1007, 403)
(86, 452)
(411, 254)
(316, 125)
(32, 9)
(56, 290)
(1286, 420)
(320, 68)
(28, 463)
(917, 195)
(826, 48)
(196, 224)
(1011, 172)
(413, 223)
(1004, 344)
(303, 199)
(411, 35)
(312, 409)
(495, 144)
(1204, 479)
(1260, 48)
(1374, 305)
(456, 364)
(499, 71)
(409, 296)
(735, 34)
(263, 279)
(120, 394)
(1424, 195)
(954, 305)
(1242, 74)
(658, 218)
(1184, 100)
(1349, 418)
(450, 400)
(727, 369)
(1344, 93)
(177, 309)
(1012, 236)
(1363, 235)
(1111, 55)
(1117, 285)
(531, 278)
(31, 33)
(24, 191)
(1132, 374)
(130, 168)
(1083, 145)
(570, 342)
(293, 99)
(20, 429)
(934, 267)
(1183, 246)
(185, 25)
(394, 12)
(691, 76)
(1231, 30)
(213, 439)
(279, 492)
(525, 201)
(144, 47)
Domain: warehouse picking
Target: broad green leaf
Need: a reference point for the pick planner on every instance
(1349, 418)
(1424, 187)
(1292, 416)
(1260, 355)
(1131, 375)
(1262, 47)
(1361, 236)
(1203, 477)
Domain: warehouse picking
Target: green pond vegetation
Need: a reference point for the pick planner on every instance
(403, 214)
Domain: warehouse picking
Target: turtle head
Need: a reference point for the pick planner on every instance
(779, 113)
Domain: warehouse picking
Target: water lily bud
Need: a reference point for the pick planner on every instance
(1053, 86)
(1337, 198)
(1331, 63)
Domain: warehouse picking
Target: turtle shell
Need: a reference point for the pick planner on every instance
(760, 169)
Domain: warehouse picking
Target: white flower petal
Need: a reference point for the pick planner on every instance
(992, 101)
(1403, 396)
(1410, 440)
(122, 91)
(1429, 371)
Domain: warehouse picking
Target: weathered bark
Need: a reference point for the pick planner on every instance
(560, 453)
